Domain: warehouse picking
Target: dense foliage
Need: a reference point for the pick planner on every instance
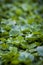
(21, 32)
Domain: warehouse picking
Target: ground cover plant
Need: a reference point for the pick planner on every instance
(21, 32)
